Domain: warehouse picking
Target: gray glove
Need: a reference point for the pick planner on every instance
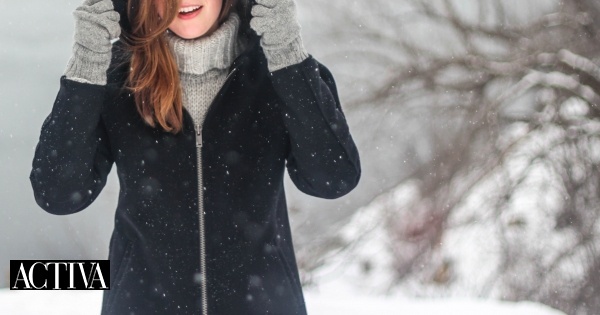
(96, 23)
(275, 21)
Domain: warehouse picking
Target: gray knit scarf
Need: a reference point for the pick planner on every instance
(204, 64)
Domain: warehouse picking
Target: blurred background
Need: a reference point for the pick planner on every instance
(478, 125)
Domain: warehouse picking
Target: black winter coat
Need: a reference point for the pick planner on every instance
(259, 124)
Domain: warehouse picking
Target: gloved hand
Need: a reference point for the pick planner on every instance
(96, 23)
(275, 21)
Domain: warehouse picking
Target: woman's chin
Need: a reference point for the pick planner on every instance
(193, 29)
(192, 34)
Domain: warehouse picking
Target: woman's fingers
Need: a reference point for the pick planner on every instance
(96, 25)
(91, 2)
(108, 20)
(275, 21)
(97, 6)
(111, 23)
(259, 25)
(260, 10)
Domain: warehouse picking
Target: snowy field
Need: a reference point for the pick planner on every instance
(88, 302)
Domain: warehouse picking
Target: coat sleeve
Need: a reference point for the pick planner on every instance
(322, 160)
(72, 158)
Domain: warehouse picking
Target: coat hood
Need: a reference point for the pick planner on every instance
(121, 8)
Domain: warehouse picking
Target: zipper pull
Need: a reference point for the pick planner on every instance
(230, 73)
(198, 135)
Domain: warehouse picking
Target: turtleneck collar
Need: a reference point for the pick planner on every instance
(216, 51)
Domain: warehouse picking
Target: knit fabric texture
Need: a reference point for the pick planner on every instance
(275, 21)
(204, 64)
(96, 23)
(289, 54)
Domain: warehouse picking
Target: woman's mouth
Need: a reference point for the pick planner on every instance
(189, 12)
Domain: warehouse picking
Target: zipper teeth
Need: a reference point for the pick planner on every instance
(229, 74)
(204, 277)
(203, 283)
(202, 240)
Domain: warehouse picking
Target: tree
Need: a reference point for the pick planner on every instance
(505, 99)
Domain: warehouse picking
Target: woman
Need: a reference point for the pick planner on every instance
(201, 105)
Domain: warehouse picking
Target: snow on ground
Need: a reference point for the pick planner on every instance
(341, 286)
(88, 302)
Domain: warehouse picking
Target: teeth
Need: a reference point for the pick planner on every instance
(189, 9)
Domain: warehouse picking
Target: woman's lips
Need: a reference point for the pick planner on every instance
(189, 15)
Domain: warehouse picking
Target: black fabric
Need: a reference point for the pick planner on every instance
(259, 124)
(121, 7)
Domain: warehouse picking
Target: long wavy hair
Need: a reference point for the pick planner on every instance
(153, 77)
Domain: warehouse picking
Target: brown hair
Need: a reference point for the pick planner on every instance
(154, 76)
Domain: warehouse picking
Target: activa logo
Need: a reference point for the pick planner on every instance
(59, 275)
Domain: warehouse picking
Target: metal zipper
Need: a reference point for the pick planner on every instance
(198, 131)
(201, 222)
